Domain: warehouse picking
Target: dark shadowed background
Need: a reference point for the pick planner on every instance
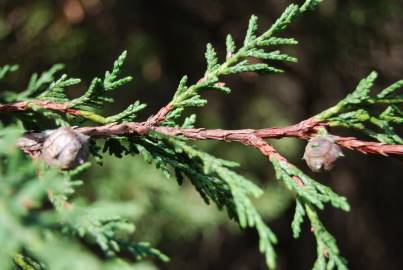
(340, 43)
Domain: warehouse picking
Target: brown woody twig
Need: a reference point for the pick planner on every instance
(304, 130)
(254, 137)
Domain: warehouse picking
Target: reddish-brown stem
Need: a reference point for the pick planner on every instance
(369, 147)
(269, 151)
(25, 105)
(303, 130)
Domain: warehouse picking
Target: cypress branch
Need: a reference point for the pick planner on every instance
(63, 227)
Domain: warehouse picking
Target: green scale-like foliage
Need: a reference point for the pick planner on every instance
(43, 236)
(358, 110)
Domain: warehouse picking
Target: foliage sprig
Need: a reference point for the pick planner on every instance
(164, 142)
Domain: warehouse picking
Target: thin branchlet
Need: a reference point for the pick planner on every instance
(163, 141)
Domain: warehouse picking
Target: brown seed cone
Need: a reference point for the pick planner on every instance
(321, 152)
(65, 148)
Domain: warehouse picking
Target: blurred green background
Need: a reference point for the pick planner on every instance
(340, 43)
